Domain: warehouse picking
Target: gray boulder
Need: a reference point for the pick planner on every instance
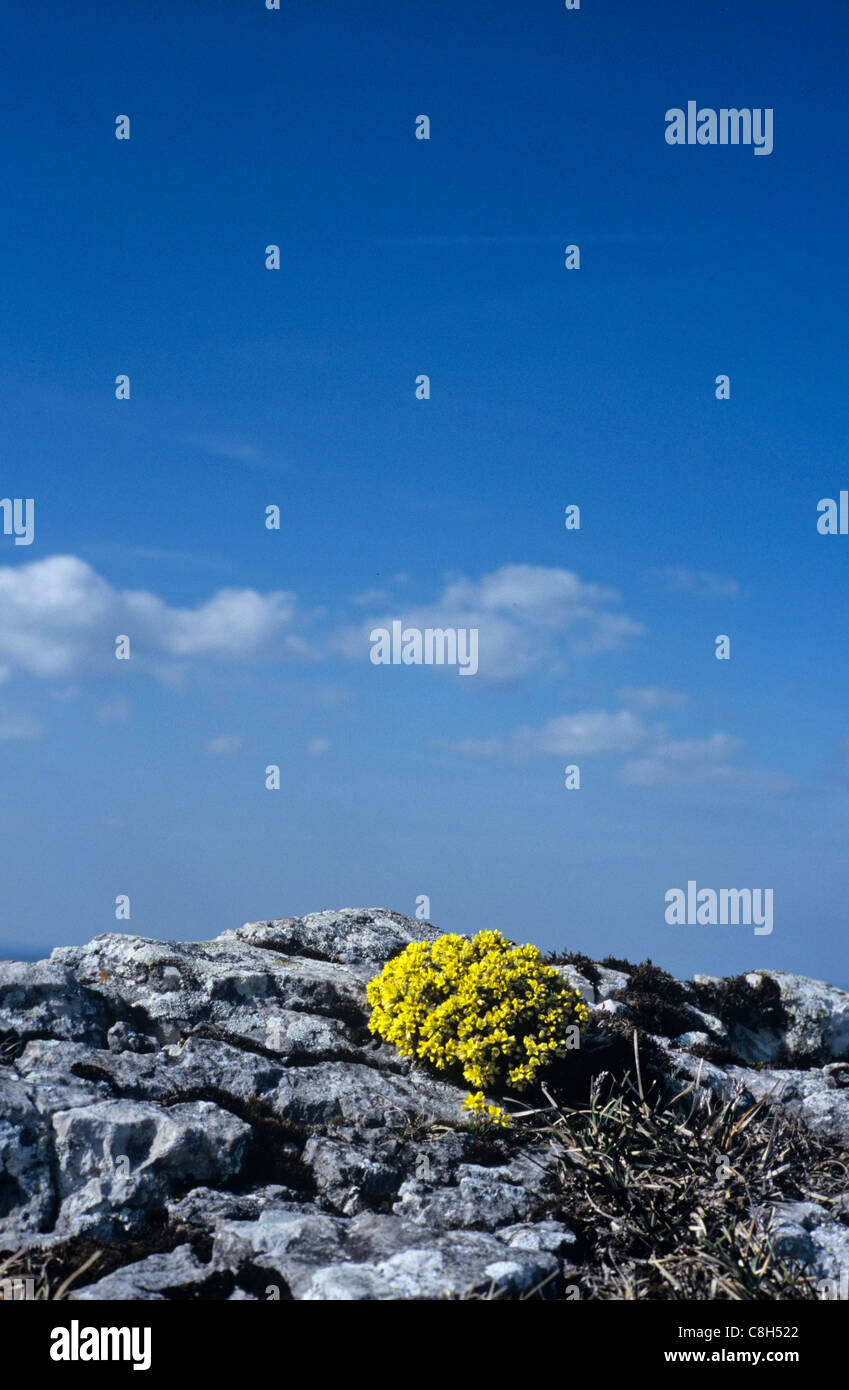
(594, 995)
(118, 1160)
(814, 1028)
(806, 1234)
(374, 1256)
(818, 1097)
(27, 1194)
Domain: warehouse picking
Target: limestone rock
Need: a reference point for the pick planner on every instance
(220, 1116)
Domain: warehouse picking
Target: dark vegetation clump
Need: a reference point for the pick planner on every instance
(607, 1049)
(657, 1001)
(619, 963)
(660, 1187)
(648, 978)
(736, 1001)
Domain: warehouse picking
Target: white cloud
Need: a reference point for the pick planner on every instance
(715, 748)
(683, 762)
(19, 727)
(590, 732)
(659, 761)
(698, 582)
(701, 762)
(224, 745)
(319, 747)
(652, 773)
(567, 735)
(59, 618)
(528, 617)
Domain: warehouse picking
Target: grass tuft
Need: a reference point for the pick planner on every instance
(661, 1188)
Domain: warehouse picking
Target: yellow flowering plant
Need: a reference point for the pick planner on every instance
(493, 1010)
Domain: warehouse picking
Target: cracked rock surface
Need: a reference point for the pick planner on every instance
(219, 1115)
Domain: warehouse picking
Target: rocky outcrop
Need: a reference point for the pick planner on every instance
(779, 1017)
(217, 1118)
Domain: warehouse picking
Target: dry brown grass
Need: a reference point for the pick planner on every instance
(661, 1189)
(51, 1280)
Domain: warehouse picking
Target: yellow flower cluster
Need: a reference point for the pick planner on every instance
(492, 1114)
(494, 1010)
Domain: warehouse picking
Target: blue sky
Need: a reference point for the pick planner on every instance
(295, 387)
